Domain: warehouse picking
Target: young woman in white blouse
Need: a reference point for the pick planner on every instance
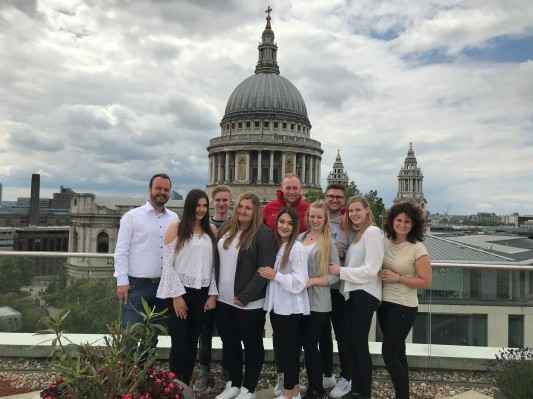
(361, 286)
(321, 251)
(188, 278)
(287, 298)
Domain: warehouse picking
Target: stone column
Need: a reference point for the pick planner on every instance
(271, 169)
(247, 167)
(218, 169)
(283, 160)
(303, 169)
(311, 170)
(236, 175)
(226, 175)
(318, 171)
(259, 167)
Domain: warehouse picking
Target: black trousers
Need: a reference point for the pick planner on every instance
(288, 346)
(236, 325)
(396, 321)
(338, 320)
(325, 345)
(205, 343)
(184, 333)
(359, 311)
(312, 331)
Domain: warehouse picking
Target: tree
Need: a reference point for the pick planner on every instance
(377, 206)
(14, 273)
(352, 190)
(313, 195)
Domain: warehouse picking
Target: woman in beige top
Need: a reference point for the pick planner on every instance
(406, 267)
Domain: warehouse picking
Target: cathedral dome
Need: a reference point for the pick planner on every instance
(266, 95)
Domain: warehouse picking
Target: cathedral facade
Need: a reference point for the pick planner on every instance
(265, 132)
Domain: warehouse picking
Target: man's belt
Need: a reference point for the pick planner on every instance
(146, 280)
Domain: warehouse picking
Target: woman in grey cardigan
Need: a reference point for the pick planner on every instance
(322, 251)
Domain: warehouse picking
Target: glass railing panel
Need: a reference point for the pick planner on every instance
(34, 287)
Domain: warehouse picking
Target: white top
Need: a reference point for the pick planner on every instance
(228, 268)
(363, 263)
(401, 259)
(139, 250)
(286, 294)
(192, 267)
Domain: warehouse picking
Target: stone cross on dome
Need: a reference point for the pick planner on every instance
(268, 11)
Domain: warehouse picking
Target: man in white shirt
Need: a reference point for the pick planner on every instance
(139, 251)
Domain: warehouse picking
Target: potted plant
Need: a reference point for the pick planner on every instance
(122, 368)
(513, 373)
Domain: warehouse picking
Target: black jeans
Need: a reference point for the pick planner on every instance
(236, 325)
(338, 320)
(205, 345)
(396, 321)
(325, 344)
(359, 311)
(288, 346)
(313, 327)
(184, 333)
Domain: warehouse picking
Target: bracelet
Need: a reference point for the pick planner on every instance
(400, 278)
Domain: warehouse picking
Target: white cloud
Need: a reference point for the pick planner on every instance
(101, 95)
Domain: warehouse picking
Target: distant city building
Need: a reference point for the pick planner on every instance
(42, 239)
(265, 132)
(410, 182)
(175, 196)
(11, 319)
(94, 229)
(337, 175)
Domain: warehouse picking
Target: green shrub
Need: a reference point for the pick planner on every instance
(513, 372)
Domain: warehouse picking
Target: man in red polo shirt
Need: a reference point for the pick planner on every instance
(290, 194)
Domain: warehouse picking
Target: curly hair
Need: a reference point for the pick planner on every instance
(417, 219)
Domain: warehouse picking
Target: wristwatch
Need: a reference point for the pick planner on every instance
(400, 279)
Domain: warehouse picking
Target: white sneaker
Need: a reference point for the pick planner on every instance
(342, 388)
(229, 392)
(301, 388)
(328, 382)
(245, 394)
(278, 388)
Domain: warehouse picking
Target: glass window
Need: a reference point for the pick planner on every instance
(240, 125)
(284, 125)
(248, 124)
(256, 124)
(516, 331)
(276, 125)
(266, 124)
(451, 329)
(292, 126)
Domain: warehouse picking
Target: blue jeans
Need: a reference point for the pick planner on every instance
(141, 288)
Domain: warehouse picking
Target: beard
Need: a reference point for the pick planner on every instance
(160, 199)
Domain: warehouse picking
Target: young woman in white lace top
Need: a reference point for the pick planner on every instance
(188, 278)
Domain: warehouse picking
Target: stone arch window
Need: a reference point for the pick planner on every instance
(102, 242)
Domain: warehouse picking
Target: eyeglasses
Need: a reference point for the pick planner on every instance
(335, 197)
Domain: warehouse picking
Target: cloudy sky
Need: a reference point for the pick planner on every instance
(98, 95)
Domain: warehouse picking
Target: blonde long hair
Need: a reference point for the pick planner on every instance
(247, 236)
(324, 241)
(349, 226)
